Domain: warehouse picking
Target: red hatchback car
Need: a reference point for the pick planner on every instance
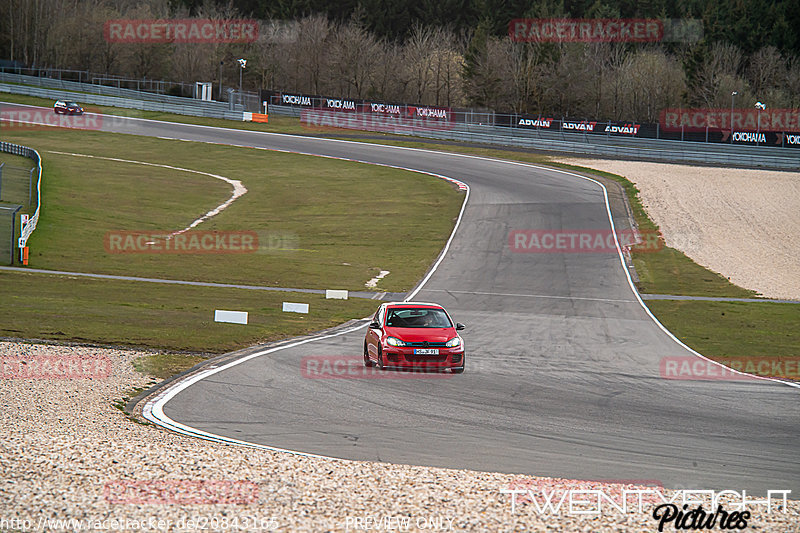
(414, 335)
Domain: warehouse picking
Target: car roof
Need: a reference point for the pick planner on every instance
(412, 304)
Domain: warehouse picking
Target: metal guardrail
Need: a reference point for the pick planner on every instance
(192, 108)
(30, 153)
(604, 146)
(557, 141)
(111, 96)
(105, 90)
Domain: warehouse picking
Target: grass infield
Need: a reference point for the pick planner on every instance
(320, 223)
(168, 317)
(760, 327)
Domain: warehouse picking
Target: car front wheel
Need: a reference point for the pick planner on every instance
(380, 358)
(367, 361)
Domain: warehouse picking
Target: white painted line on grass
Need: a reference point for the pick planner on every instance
(153, 410)
(238, 188)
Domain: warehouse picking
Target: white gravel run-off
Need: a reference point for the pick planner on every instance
(741, 223)
(63, 441)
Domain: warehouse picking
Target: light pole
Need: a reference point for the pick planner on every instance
(242, 64)
(220, 80)
(759, 106)
(733, 95)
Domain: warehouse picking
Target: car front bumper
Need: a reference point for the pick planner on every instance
(398, 357)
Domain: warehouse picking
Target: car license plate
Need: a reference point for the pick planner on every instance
(426, 351)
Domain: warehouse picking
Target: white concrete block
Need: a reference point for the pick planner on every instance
(289, 307)
(234, 317)
(331, 294)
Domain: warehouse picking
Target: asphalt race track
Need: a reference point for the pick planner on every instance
(563, 370)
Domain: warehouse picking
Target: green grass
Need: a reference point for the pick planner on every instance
(164, 365)
(276, 124)
(745, 329)
(169, 317)
(325, 223)
(662, 270)
(15, 179)
(733, 330)
(665, 270)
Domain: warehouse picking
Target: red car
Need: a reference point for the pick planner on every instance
(414, 335)
(67, 108)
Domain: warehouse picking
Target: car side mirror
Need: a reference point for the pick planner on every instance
(374, 325)
(460, 326)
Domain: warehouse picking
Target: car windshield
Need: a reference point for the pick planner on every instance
(417, 318)
(72, 104)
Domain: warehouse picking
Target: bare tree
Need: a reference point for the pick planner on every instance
(417, 62)
(765, 69)
(354, 54)
(719, 71)
(656, 81)
(311, 55)
(793, 82)
(614, 83)
(386, 83)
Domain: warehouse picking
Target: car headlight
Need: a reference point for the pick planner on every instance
(452, 343)
(394, 341)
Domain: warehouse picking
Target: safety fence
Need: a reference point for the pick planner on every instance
(27, 223)
(88, 93)
(742, 127)
(561, 142)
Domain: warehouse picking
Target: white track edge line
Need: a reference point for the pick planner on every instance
(163, 399)
(453, 154)
(153, 410)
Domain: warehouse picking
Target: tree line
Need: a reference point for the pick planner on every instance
(347, 54)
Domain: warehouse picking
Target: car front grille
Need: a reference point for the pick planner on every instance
(425, 358)
(426, 344)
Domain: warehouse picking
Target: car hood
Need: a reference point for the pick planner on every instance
(422, 334)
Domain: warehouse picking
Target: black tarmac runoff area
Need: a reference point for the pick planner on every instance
(564, 366)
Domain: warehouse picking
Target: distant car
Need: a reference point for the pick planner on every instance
(414, 335)
(67, 108)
